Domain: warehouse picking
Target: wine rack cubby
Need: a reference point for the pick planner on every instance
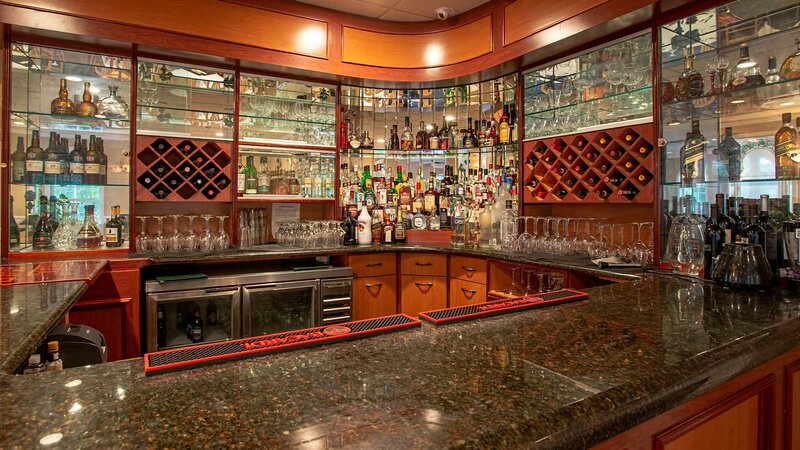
(609, 166)
(183, 170)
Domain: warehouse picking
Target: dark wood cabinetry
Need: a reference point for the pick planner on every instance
(792, 406)
(422, 293)
(374, 297)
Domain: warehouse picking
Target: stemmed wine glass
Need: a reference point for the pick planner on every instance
(159, 242)
(223, 241)
(711, 70)
(142, 239)
(174, 243)
(206, 240)
(190, 243)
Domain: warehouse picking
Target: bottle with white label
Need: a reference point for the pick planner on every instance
(92, 163)
(364, 230)
(34, 161)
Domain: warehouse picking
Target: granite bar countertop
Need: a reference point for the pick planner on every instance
(27, 313)
(567, 376)
(273, 252)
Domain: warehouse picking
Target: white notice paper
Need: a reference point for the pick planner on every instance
(284, 212)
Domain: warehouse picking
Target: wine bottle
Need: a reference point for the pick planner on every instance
(114, 229)
(770, 235)
(43, 231)
(715, 237)
(52, 163)
(724, 220)
(34, 161)
(92, 164)
(13, 228)
(18, 162)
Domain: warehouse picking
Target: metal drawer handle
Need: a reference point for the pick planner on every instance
(469, 269)
(369, 285)
(471, 291)
(373, 265)
(424, 264)
(424, 284)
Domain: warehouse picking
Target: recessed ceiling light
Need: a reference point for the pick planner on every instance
(449, 118)
(51, 439)
(73, 78)
(736, 102)
(787, 104)
(219, 134)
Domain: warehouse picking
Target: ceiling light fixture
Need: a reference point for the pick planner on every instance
(736, 102)
(73, 78)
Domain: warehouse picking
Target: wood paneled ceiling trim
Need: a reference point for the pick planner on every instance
(408, 51)
(517, 16)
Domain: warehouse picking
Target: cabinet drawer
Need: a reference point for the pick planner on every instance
(374, 297)
(373, 264)
(464, 293)
(422, 293)
(432, 264)
(468, 269)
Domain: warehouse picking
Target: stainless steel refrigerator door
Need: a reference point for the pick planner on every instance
(276, 307)
(225, 302)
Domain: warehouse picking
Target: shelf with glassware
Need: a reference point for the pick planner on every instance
(176, 100)
(278, 174)
(285, 112)
(611, 166)
(605, 88)
(61, 188)
(731, 159)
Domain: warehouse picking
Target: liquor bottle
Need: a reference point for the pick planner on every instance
(87, 108)
(407, 140)
(419, 222)
(54, 363)
(724, 220)
(690, 83)
(747, 73)
(512, 120)
(715, 237)
(614, 180)
(53, 201)
(418, 202)
(18, 162)
(89, 235)
(92, 164)
(240, 177)
(350, 226)
(453, 141)
(43, 231)
(730, 156)
(103, 161)
(399, 231)
(770, 235)
(52, 163)
(644, 178)
(467, 141)
(194, 329)
(790, 69)
(753, 233)
(364, 230)
(444, 208)
(472, 229)
(394, 139)
(785, 146)
(263, 176)
(504, 132)
(161, 325)
(34, 161)
(367, 142)
(508, 225)
(250, 176)
(377, 225)
(444, 136)
(63, 156)
(388, 236)
(13, 228)
(431, 196)
(475, 142)
(738, 222)
(773, 74)
(368, 194)
(114, 229)
(433, 137)
(693, 155)
(422, 136)
(630, 193)
(62, 104)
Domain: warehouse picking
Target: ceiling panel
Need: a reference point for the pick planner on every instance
(397, 10)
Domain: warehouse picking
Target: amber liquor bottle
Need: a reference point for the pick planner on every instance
(690, 83)
(786, 149)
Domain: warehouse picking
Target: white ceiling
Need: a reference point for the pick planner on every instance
(396, 10)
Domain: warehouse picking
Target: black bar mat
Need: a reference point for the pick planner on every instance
(218, 352)
(495, 307)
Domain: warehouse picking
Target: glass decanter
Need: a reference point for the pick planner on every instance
(113, 107)
(89, 235)
(62, 104)
(685, 251)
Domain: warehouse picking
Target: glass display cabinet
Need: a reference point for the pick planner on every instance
(467, 132)
(730, 101)
(284, 112)
(175, 100)
(604, 88)
(70, 142)
(274, 173)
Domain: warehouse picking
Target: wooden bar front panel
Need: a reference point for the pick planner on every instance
(374, 297)
(373, 264)
(422, 293)
(464, 293)
(434, 264)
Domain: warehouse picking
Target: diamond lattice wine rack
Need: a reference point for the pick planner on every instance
(191, 170)
(609, 166)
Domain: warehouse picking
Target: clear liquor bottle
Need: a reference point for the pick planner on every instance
(89, 235)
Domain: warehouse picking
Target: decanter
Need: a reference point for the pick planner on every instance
(89, 235)
(790, 68)
(685, 251)
(87, 108)
(690, 83)
(113, 107)
(62, 104)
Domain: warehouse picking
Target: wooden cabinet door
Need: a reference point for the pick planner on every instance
(740, 422)
(464, 293)
(374, 297)
(108, 317)
(422, 293)
(792, 422)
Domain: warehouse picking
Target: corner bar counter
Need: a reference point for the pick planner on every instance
(298, 256)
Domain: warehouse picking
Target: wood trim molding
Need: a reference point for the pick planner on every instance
(790, 415)
(396, 50)
(517, 23)
(764, 389)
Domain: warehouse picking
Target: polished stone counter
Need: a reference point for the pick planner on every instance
(27, 313)
(274, 252)
(568, 376)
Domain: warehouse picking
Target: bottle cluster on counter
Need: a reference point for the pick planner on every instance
(86, 163)
(303, 180)
(53, 362)
(380, 207)
(68, 233)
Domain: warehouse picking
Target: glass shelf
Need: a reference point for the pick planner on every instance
(583, 92)
(452, 152)
(282, 119)
(15, 183)
(55, 63)
(285, 174)
(61, 123)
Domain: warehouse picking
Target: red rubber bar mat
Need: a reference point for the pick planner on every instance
(218, 352)
(508, 305)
